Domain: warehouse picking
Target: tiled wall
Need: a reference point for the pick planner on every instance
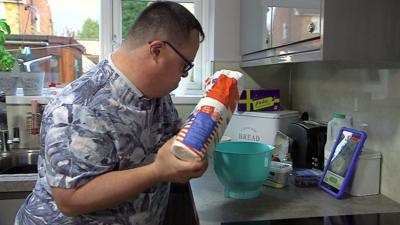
(368, 92)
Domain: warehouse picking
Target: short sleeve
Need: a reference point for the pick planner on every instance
(78, 146)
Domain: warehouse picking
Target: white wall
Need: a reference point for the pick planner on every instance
(367, 92)
(227, 31)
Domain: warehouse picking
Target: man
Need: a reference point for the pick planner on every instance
(105, 139)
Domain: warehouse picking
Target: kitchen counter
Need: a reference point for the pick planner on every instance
(213, 208)
(289, 202)
(13, 191)
(17, 182)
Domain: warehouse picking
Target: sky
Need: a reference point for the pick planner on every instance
(72, 13)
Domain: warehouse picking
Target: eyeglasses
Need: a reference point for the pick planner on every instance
(188, 64)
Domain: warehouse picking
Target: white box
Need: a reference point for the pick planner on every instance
(366, 177)
(278, 176)
(259, 126)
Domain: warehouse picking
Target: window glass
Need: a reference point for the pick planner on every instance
(64, 35)
(130, 11)
(66, 30)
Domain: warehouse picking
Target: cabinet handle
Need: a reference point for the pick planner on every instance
(267, 40)
(311, 27)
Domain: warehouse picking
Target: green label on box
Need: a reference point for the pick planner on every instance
(333, 179)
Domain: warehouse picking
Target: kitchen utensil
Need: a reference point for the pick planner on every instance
(307, 149)
(242, 167)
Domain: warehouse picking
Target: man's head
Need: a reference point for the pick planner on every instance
(168, 21)
(165, 39)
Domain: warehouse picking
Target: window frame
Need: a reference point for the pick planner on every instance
(14, 1)
(111, 39)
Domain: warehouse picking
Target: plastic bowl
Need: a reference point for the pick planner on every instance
(242, 167)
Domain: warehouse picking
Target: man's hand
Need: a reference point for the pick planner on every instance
(171, 169)
(112, 188)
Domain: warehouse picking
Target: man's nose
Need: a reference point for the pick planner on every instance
(185, 74)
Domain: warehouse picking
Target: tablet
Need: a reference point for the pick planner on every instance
(342, 161)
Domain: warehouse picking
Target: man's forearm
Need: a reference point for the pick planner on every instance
(105, 191)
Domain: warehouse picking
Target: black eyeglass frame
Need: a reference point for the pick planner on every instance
(188, 64)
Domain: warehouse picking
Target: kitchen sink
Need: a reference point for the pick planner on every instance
(19, 161)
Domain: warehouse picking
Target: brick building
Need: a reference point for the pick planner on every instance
(31, 26)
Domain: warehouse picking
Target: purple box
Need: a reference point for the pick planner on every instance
(259, 100)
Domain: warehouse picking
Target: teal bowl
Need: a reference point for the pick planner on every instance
(242, 167)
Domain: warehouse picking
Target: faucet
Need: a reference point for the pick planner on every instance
(27, 64)
(5, 145)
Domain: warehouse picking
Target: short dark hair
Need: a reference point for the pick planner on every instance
(168, 20)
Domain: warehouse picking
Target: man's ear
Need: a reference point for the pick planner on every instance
(155, 48)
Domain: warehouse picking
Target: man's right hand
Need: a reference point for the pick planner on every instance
(171, 169)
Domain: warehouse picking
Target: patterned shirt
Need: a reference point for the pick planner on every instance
(100, 123)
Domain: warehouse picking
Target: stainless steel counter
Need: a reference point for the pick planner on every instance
(13, 191)
(17, 182)
(213, 208)
(290, 202)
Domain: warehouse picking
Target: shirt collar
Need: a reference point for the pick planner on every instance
(128, 82)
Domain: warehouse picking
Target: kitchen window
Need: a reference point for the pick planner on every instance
(15, 1)
(113, 32)
(43, 28)
(46, 37)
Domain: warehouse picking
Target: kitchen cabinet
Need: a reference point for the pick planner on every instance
(255, 25)
(180, 209)
(295, 21)
(284, 31)
(9, 206)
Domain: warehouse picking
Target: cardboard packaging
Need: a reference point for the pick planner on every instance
(259, 100)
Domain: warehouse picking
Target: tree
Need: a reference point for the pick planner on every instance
(7, 61)
(130, 11)
(90, 30)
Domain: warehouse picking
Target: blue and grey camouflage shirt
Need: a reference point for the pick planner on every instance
(100, 123)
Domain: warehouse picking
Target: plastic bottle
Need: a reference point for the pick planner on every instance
(334, 126)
